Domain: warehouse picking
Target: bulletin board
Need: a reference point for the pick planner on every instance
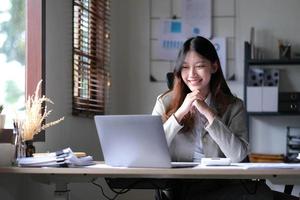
(169, 31)
(173, 21)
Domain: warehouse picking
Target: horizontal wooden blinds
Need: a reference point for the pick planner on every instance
(91, 56)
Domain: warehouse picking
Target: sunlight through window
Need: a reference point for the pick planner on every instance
(12, 58)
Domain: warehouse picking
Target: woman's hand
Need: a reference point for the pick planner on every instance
(205, 110)
(187, 104)
(201, 106)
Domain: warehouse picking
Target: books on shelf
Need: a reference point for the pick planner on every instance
(63, 158)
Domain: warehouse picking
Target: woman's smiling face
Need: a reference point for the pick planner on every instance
(196, 72)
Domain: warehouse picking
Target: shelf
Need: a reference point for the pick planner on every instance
(273, 62)
(273, 113)
(249, 61)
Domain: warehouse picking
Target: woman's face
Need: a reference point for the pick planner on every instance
(196, 72)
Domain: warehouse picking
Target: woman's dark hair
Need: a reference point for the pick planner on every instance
(220, 92)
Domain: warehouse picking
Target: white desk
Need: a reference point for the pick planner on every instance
(62, 176)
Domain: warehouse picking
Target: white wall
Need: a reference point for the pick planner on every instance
(132, 91)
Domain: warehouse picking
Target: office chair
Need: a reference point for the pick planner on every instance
(170, 79)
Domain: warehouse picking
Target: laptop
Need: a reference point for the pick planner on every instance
(135, 141)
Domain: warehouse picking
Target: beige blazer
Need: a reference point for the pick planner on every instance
(225, 137)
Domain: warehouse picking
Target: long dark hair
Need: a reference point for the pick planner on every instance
(220, 92)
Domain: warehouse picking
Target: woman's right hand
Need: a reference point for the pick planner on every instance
(187, 104)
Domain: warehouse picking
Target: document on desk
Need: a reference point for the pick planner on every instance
(268, 165)
(63, 158)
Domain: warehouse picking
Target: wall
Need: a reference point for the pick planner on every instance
(132, 92)
(130, 59)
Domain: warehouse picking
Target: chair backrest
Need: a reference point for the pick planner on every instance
(170, 79)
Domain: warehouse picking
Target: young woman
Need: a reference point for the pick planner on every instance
(203, 119)
(201, 116)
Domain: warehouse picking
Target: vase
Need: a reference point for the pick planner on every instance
(20, 148)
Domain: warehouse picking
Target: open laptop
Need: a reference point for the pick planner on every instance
(134, 141)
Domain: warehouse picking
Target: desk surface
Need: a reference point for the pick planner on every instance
(276, 175)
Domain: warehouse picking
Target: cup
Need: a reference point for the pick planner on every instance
(6, 154)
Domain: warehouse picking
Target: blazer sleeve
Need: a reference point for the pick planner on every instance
(233, 137)
(171, 126)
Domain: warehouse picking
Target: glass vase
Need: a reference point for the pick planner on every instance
(19, 145)
(22, 148)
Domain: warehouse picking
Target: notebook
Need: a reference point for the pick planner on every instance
(135, 141)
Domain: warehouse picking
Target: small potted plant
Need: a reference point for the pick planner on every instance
(2, 117)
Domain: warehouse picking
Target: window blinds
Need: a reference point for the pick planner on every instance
(91, 56)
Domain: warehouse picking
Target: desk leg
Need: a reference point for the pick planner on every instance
(61, 191)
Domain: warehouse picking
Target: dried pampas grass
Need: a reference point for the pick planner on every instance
(35, 114)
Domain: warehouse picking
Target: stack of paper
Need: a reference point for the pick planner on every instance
(63, 158)
(268, 165)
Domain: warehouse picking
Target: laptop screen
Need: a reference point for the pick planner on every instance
(133, 140)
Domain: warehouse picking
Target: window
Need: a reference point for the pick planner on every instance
(18, 81)
(12, 58)
(91, 56)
